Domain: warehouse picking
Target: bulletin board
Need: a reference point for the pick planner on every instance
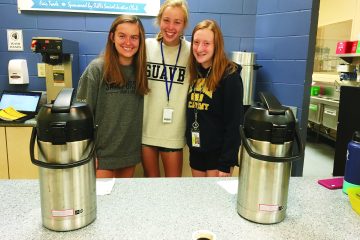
(133, 7)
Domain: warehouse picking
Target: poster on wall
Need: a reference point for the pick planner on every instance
(134, 7)
(15, 40)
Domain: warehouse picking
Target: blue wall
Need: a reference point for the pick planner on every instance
(281, 41)
(284, 43)
(90, 30)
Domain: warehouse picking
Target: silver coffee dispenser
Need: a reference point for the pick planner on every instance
(266, 153)
(247, 60)
(65, 139)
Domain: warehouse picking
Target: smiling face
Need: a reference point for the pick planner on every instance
(203, 47)
(127, 40)
(172, 25)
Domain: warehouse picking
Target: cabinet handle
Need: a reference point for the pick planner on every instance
(331, 112)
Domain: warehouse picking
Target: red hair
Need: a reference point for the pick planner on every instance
(220, 62)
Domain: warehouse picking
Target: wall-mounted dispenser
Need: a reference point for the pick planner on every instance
(18, 71)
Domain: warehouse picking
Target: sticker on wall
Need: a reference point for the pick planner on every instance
(136, 7)
(15, 40)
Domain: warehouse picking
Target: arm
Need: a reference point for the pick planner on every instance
(233, 117)
(89, 84)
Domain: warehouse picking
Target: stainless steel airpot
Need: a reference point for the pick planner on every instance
(65, 139)
(266, 153)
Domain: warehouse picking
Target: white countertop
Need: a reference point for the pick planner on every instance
(174, 208)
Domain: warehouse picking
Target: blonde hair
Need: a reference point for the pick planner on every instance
(112, 70)
(172, 3)
(220, 63)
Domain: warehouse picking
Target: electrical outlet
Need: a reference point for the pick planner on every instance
(41, 69)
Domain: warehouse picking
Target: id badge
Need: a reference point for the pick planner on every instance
(195, 138)
(168, 115)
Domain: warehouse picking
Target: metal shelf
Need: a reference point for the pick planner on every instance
(348, 57)
(325, 100)
(319, 129)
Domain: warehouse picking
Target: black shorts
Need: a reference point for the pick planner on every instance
(163, 149)
(203, 161)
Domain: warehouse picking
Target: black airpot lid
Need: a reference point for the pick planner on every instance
(64, 121)
(269, 121)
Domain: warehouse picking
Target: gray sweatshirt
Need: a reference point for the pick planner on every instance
(118, 114)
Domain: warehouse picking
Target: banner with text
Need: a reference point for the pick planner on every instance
(133, 7)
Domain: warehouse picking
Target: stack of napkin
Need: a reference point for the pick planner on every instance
(10, 114)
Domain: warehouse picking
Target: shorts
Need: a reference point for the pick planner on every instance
(203, 161)
(163, 149)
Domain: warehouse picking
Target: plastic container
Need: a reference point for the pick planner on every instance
(315, 90)
(343, 47)
(354, 45)
(352, 166)
(354, 197)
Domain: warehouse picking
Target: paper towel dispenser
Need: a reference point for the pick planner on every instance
(18, 71)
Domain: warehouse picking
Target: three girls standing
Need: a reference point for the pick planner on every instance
(209, 111)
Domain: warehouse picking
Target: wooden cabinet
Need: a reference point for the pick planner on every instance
(18, 142)
(14, 153)
(4, 169)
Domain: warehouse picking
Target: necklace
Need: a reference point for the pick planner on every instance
(200, 75)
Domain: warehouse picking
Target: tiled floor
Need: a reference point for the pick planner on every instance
(319, 158)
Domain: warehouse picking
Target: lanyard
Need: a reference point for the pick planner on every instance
(168, 88)
(195, 125)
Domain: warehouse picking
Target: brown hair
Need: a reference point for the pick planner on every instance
(220, 63)
(112, 70)
(172, 3)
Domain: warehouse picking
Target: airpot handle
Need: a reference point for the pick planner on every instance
(253, 154)
(62, 103)
(272, 104)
